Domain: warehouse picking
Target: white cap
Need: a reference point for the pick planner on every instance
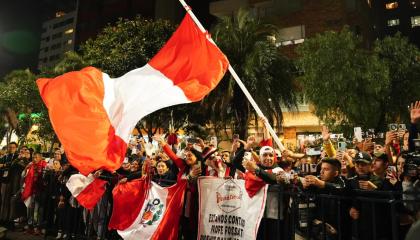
(266, 149)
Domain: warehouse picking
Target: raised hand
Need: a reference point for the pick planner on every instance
(390, 136)
(415, 112)
(160, 139)
(250, 142)
(325, 133)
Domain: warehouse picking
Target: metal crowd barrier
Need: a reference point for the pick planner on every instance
(300, 204)
(295, 204)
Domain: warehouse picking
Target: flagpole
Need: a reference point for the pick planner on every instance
(238, 80)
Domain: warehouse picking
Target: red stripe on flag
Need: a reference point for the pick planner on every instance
(128, 202)
(191, 61)
(168, 227)
(92, 194)
(75, 106)
(31, 179)
(253, 184)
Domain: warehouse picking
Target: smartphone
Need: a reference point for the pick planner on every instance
(391, 169)
(358, 134)
(402, 127)
(342, 146)
(247, 156)
(393, 127)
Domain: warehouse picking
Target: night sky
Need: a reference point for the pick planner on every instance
(20, 32)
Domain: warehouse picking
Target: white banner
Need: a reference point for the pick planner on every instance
(226, 210)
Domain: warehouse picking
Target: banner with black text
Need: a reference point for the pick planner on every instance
(226, 210)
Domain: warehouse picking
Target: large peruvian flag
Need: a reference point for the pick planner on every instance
(145, 210)
(93, 114)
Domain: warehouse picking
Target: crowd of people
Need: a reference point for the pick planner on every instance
(333, 193)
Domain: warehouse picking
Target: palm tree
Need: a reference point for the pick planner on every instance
(268, 75)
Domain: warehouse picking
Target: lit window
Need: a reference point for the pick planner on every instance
(60, 14)
(69, 41)
(392, 5)
(69, 31)
(415, 21)
(393, 22)
(413, 4)
(291, 35)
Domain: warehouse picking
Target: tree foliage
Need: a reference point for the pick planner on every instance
(19, 94)
(127, 45)
(346, 83)
(402, 61)
(265, 72)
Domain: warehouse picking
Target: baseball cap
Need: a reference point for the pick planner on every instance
(332, 161)
(363, 157)
(209, 152)
(266, 149)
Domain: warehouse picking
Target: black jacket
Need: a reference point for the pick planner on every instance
(372, 206)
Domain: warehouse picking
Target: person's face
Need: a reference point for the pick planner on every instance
(400, 165)
(66, 166)
(267, 159)
(12, 148)
(162, 168)
(363, 168)
(57, 155)
(22, 153)
(126, 166)
(226, 157)
(153, 161)
(27, 154)
(211, 161)
(56, 165)
(379, 166)
(379, 148)
(328, 172)
(37, 158)
(405, 139)
(190, 158)
(134, 166)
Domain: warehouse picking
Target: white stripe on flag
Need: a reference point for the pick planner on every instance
(27, 201)
(78, 182)
(140, 92)
(151, 214)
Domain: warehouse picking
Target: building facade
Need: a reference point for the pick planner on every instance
(298, 20)
(58, 37)
(392, 16)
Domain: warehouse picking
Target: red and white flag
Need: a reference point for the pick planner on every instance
(93, 114)
(32, 181)
(145, 210)
(87, 190)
